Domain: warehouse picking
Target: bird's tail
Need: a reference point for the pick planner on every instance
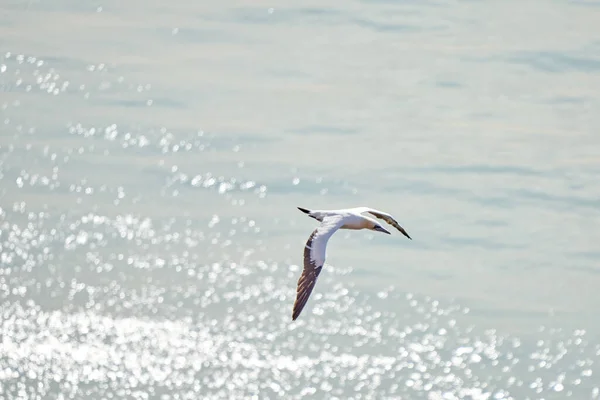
(318, 215)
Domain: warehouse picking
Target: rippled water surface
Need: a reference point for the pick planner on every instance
(152, 156)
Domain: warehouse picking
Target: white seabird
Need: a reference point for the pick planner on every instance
(314, 250)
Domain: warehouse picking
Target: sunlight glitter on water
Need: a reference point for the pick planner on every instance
(247, 352)
(435, 358)
(148, 243)
(125, 334)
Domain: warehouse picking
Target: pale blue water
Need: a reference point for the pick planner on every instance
(152, 157)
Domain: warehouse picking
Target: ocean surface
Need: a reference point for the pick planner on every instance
(153, 154)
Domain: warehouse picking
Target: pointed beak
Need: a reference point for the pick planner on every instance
(381, 229)
(404, 232)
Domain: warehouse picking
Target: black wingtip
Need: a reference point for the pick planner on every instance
(304, 210)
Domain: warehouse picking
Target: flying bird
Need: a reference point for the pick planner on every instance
(314, 250)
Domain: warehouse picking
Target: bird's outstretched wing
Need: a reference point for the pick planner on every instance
(386, 217)
(314, 259)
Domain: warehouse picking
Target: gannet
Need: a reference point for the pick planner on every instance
(314, 250)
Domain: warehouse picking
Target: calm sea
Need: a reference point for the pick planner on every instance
(152, 156)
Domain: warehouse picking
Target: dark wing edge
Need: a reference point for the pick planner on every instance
(391, 221)
(307, 280)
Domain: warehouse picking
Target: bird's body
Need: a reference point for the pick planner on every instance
(351, 218)
(315, 249)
